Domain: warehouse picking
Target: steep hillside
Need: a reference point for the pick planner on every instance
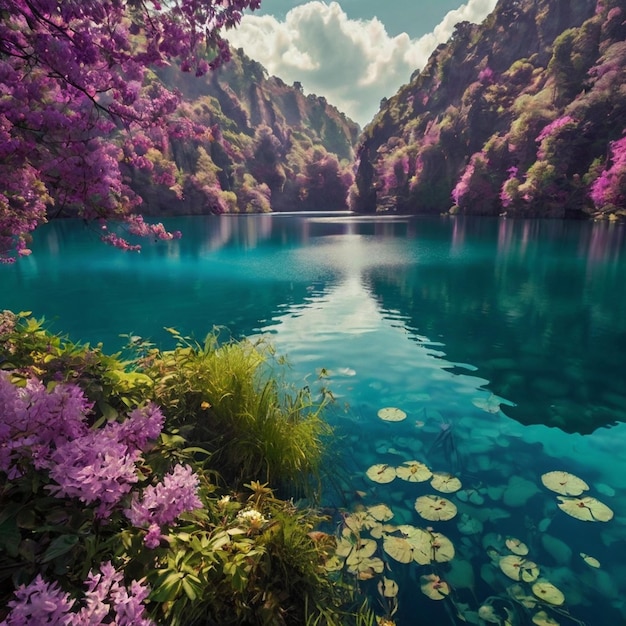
(523, 115)
(246, 142)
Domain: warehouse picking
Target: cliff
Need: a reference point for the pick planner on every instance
(521, 115)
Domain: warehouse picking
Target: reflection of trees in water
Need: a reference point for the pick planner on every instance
(538, 307)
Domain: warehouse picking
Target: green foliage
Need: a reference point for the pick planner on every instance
(247, 557)
(227, 397)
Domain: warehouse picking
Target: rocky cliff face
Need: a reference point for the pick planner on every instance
(524, 115)
(247, 143)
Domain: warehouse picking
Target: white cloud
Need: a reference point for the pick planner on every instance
(353, 63)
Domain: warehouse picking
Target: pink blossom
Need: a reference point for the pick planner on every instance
(161, 504)
(39, 604)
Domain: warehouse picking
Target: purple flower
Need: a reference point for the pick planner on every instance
(39, 604)
(35, 421)
(95, 468)
(141, 426)
(163, 503)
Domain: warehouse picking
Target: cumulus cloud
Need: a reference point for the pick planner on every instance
(353, 63)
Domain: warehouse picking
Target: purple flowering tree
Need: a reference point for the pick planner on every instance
(73, 76)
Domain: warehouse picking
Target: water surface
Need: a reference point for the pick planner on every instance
(508, 334)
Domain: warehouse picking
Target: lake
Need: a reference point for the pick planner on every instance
(501, 341)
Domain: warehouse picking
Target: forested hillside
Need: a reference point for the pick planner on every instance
(522, 115)
(247, 143)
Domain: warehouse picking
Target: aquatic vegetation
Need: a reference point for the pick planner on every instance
(391, 414)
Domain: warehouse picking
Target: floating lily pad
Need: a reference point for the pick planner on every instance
(413, 472)
(380, 512)
(391, 414)
(399, 548)
(442, 549)
(381, 473)
(518, 568)
(379, 530)
(356, 521)
(433, 587)
(435, 508)
(445, 483)
(543, 619)
(590, 560)
(548, 593)
(516, 546)
(363, 548)
(366, 568)
(334, 564)
(388, 588)
(353, 547)
(564, 483)
(587, 509)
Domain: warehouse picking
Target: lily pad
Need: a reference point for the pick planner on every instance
(590, 560)
(548, 593)
(399, 548)
(445, 483)
(564, 483)
(366, 568)
(380, 512)
(391, 414)
(543, 619)
(334, 564)
(381, 473)
(433, 587)
(442, 549)
(518, 568)
(388, 588)
(435, 508)
(587, 509)
(516, 546)
(350, 546)
(362, 549)
(413, 472)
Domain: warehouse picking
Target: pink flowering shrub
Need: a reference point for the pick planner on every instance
(609, 189)
(163, 503)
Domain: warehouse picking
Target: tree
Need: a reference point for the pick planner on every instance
(75, 82)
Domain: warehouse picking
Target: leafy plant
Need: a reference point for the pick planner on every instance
(114, 508)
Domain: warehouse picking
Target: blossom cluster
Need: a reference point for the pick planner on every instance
(162, 504)
(72, 74)
(49, 429)
(106, 601)
(610, 187)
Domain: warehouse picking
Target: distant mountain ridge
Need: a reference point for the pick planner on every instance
(248, 143)
(523, 115)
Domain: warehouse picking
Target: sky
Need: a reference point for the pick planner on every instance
(352, 52)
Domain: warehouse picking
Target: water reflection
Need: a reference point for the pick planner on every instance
(538, 307)
(509, 333)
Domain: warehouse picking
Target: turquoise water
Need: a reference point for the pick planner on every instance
(503, 341)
